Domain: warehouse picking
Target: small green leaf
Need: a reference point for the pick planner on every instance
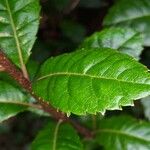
(134, 14)
(124, 40)
(19, 20)
(146, 107)
(123, 133)
(93, 80)
(57, 137)
(32, 67)
(8, 110)
(12, 101)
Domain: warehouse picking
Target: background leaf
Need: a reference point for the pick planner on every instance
(92, 4)
(92, 81)
(125, 40)
(134, 14)
(19, 22)
(146, 107)
(69, 28)
(12, 101)
(32, 67)
(57, 137)
(124, 133)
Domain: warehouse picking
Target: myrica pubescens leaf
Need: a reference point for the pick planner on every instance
(125, 40)
(133, 13)
(57, 137)
(123, 133)
(93, 80)
(19, 21)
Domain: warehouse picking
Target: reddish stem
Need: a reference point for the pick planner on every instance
(17, 75)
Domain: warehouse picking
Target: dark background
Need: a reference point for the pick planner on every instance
(64, 25)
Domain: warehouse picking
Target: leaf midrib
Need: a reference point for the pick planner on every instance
(15, 35)
(56, 134)
(123, 133)
(87, 75)
(21, 104)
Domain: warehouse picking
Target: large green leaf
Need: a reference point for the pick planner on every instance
(124, 133)
(57, 137)
(12, 101)
(93, 80)
(146, 107)
(19, 20)
(133, 13)
(124, 40)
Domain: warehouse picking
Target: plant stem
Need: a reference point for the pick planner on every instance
(17, 75)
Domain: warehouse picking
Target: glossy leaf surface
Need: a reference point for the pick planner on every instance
(124, 40)
(90, 81)
(12, 101)
(124, 133)
(57, 137)
(19, 20)
(134, 14)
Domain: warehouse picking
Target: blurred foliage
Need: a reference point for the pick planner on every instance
(64, 25)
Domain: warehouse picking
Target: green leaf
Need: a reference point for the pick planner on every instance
(6, 78)
(125, 40)
(8, 110)
(12, 101)
(17, 104)
(19, 20)
(57, 137)
(93, 80)
(134, 14)
(146, 107)
(124, 133)
(32, 67)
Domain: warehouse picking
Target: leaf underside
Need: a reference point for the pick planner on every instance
(134, 14)
(125, 40)
(123, 133)
(57, 137)
(93, 80)
(19, 20)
